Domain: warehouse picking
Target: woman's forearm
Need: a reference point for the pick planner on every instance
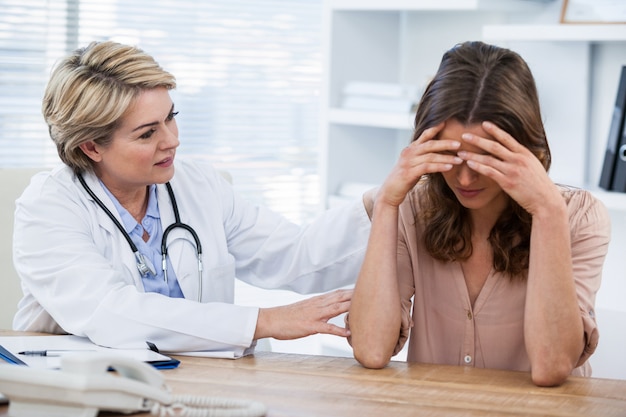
(375, 312)
(553, 327)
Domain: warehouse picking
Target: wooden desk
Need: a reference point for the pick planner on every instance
(301, 385)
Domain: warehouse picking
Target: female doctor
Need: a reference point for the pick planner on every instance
(124, 243)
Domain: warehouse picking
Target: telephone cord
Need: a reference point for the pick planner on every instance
(196, 406)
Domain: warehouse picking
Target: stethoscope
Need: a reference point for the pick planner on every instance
(142, 265)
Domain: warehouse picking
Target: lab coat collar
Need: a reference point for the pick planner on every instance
(103, 219)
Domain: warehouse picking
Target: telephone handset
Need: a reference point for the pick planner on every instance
(84, 386)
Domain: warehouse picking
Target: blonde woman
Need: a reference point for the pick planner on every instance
(126, 243)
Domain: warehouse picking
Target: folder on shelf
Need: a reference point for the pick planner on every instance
(615, 141)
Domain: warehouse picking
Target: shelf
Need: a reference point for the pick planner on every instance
(404, 5)
(386, 120)
(426, 5)
(556, 32)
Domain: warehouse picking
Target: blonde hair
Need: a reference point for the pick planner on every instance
(90, 90)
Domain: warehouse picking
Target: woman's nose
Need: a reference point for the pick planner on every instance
(465, 175)
(171, 140)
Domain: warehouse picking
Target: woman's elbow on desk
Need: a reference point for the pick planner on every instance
(550, 375)
(372, 358)
(551, 367)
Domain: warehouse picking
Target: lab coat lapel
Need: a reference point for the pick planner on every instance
(103, 220)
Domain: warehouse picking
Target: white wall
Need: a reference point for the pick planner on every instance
(12, 183)
(608, 361)
(607, 60)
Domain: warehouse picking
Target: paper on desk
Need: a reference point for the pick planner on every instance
(219, 354)
(70, 345)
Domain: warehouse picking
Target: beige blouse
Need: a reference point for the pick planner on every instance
(444, 327)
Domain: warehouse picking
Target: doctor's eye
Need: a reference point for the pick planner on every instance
(171, 115)
(147, 134)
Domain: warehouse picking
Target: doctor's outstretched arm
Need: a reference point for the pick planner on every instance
(304, 318)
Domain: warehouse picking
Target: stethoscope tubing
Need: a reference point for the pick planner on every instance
(139, 258)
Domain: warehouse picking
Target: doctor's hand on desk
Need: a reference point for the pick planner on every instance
(304, 318)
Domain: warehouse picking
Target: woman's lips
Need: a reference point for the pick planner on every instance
(166, 162)
(468, 193)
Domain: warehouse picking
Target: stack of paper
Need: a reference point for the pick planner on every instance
(387, 97)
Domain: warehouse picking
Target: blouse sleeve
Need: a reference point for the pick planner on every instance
(590, 235)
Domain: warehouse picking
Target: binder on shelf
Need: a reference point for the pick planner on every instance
(619, 175)
(609, 177)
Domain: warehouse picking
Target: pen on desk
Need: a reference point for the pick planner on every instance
(34, 353)
(50, 352)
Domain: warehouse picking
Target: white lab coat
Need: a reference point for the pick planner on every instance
(79, 274)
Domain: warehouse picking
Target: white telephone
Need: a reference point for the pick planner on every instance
(84, 386)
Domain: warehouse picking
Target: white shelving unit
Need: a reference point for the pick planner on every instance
(401, 41)
(555, 32)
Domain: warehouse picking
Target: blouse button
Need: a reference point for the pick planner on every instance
(467, 359)
(469, 315)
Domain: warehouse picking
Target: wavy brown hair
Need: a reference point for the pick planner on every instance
(478, 82)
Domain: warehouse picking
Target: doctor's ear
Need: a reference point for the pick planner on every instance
(91, 149)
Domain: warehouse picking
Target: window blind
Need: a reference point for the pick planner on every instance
(248, 75)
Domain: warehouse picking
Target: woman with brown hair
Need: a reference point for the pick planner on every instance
(473, 248)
